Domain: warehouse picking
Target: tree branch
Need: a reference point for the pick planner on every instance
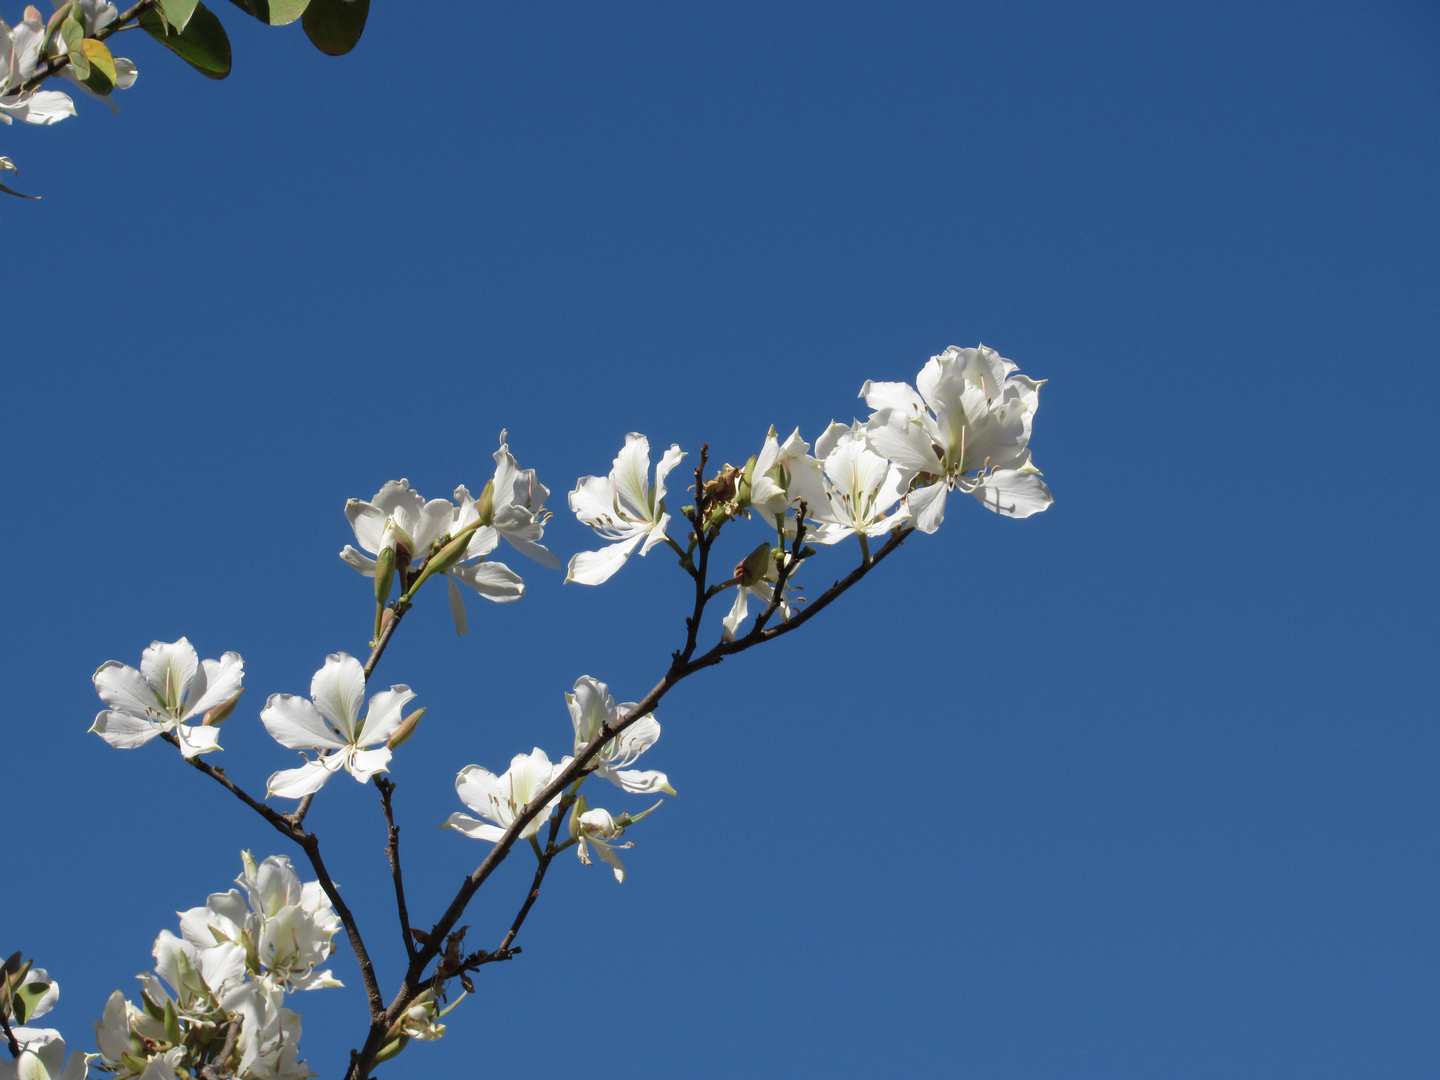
(10, 1040)
(682, 666)
(392, 850)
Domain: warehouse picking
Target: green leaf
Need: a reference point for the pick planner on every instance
(203, 45)
(274, 12)
(26, 997)
(73, 34)
(178, 12)
(335, 26)
(102, 66)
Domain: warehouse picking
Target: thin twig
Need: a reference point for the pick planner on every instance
(392, 850)
(10, 1040)
(215, 1070)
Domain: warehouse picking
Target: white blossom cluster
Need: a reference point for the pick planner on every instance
(964, 426)
(236, 959)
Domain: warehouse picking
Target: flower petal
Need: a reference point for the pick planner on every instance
(297, 783)
(476, 830)
(1016, 493)
(457, 606)
(125, 731)
(222, 680)
(122, 687)
(492, 580)
(387, 709)
(598, 567)
(338, 690)
(360, 562)
(295, 723)
(364, 764)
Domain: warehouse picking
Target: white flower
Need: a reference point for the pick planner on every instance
(398, 517)
(622, 508)
(171, 687)
(269, 1042)
(19, 60)
(968, 426)
(332, 725)
(591, 709)
(854, 491)
(42, 1057)
(599, 829)
(502, 798)
(776, 467)
(287, 927)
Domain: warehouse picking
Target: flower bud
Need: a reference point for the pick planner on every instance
(485, 505)
(405, 730)
(384, 574)
(744, 483)
(32, 14)
(218, 715)
(753, 567)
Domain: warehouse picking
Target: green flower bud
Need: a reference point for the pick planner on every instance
(222, 712)
(405, 730)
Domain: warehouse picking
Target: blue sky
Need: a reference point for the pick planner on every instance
(1143, 786)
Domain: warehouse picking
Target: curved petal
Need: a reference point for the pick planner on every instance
(908, 443)
(434, 522)
(295, 723)
(598, 567)
(124, 731)
(194, 739)
(669, 461)
(360, 562)
(297, 783)
(927, 506)
(738, 611)
(338, 690)
(1014, 493)
(123, 688)
(593, 500)
(637, 782)
(630, 476)
(893, 395)
(656, 535)
(170, 669)
(591, 708)
(364, 764)
(476, 830)
(387, 709)
(368, 521)
(479, 789)
(492, 580)
(457, 606)
(223, 679)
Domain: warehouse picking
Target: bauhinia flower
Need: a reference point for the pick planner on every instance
(774, 473)
(855, 490)
(330, 724)
(592, 708)
(42, 1057)
(19, 60)
(597, 828)
(404, 526)
(172, 686)
(269, 1043)
(622, 508)
(502, 798)
(286, 930)
(758, 573)
(967, 428)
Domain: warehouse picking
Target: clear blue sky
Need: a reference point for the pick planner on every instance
(1142, 787)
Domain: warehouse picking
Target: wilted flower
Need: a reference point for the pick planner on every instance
(171, 687)
(599, 829)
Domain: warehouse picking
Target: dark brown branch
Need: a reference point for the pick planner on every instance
(215, 1070)
(10, 1040)
(310, 844)
(392, 851)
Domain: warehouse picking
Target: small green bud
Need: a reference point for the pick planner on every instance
(384, 575)
(391, 1049)
(485, 505)
(405, 730)
(222, 712)
(753, 567)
